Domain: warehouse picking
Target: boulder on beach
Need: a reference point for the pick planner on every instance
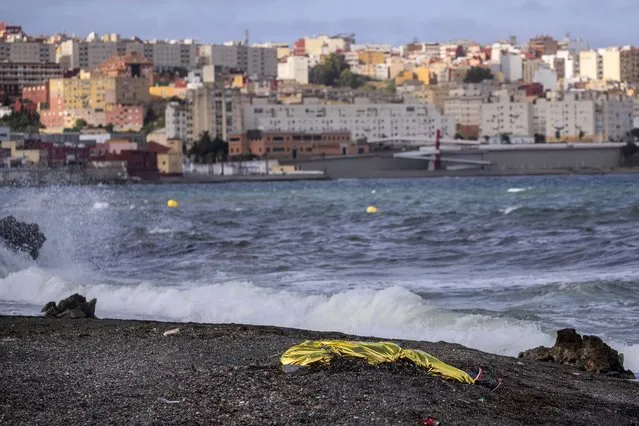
(74, 307)
(588, 353)
(20, 236)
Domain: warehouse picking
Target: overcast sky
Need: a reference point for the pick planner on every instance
(602, 22)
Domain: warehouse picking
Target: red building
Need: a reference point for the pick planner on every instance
(38, 94)
(139, 164)
(125, 117)
(299, 47)
(534, 89)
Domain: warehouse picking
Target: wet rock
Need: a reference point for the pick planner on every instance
(74, 307)
(20, 236)
(588, 353)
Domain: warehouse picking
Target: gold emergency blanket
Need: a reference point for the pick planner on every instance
(317, 352)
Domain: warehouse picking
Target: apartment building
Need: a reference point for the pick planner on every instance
(322, 45)
(591, 65)
(611, 64)
(90, 54)
(166, 55)
(16, 76)
(620, 64)
(372, 121)
(208, 108)
(294, 68)
(543, 45)
(630, 65)
(27, 52)
(177, 121)
(505, 116)
(98, 99)
(464, 111)
(260, 63)
(512, 66)
(587, 116)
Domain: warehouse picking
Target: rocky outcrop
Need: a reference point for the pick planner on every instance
(588, 353)
(20, 236)
(74, 307)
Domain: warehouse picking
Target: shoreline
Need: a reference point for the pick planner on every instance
(115, 371)
(386, 174)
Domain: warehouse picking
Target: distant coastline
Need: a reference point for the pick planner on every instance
(54, 177)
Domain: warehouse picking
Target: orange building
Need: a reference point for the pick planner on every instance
(129, 65)
(294, 145)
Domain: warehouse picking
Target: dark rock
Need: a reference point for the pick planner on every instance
(20, 236)
(588, 353)
(74, 307)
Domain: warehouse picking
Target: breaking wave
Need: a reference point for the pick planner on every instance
(389, 313)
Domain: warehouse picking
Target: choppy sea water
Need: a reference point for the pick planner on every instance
(496, 264)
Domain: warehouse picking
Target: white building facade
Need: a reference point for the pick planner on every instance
(506, 117)
(512, 66)
(372, 121)
(293, 68)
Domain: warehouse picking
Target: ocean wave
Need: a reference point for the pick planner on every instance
(509, 210)
(391, 313)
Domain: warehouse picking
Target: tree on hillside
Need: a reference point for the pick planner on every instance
(80, 124)
(334, 71)
(478, 74)
(329, 70)
(22, 122)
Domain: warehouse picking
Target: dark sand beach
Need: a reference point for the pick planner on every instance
(116, 372)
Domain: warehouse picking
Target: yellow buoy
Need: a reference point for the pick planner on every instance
(172, 204)
(371, 210)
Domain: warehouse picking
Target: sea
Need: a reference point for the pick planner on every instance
(496, 264)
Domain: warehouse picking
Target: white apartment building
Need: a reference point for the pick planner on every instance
(568, 118)
(512, 66)
(177, 121)
(259, 63)
(546, 77)
(595, 117)
(590, 65)
(27, 52)
(465, 111)
(502, 116)
(293, 68)
(614, 117)
(372, 121)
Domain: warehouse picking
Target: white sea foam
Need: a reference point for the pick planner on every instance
(389, 313)
(160, 230)
(100, 205)
(509, 210)
(517, 190)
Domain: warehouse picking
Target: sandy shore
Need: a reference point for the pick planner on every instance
(114, 372)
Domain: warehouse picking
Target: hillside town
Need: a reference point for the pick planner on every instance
(170, 107)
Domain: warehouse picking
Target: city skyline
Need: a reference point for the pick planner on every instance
(284, 20)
